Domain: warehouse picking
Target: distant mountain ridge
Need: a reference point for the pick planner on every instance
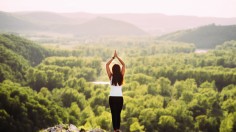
(43, 17)
(101, 26)
(54, 22)
(153, 24)
(108, 26)
(159, 24)
(204, 37)
(9, 22)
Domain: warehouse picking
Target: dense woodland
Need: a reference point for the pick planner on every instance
(205, 37)
(168, 87)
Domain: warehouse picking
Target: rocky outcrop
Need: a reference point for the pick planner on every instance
(69, 128)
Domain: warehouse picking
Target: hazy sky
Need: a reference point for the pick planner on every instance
(214, 8)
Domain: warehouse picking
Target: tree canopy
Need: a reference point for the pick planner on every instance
(168, 87)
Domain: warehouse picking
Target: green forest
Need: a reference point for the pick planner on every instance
(205, 37)
(168, 86)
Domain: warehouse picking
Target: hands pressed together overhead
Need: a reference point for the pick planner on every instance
(115, 55)
(109, 62)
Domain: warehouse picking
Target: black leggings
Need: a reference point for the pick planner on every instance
(116, 104)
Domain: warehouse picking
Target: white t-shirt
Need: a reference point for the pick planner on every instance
(116, 90)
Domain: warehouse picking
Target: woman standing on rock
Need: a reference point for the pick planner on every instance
(116, 78)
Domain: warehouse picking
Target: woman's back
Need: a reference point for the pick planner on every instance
(115, 90)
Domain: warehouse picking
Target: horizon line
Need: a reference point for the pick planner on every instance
(100, 13)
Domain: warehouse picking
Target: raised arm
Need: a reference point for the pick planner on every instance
(122, 63)
(108, 68)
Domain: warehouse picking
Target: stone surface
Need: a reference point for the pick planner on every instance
(69, 128)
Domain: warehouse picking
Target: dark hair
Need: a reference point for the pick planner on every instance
(117, 77)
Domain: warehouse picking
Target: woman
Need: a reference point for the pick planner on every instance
(116, 78)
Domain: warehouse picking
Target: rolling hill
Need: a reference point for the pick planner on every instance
(27, 49)
(104, 26)
(53, 22)
(160, 24)
(44, 18)
(80, 23)
(204, 37)
(17, 55)
(9, 22)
